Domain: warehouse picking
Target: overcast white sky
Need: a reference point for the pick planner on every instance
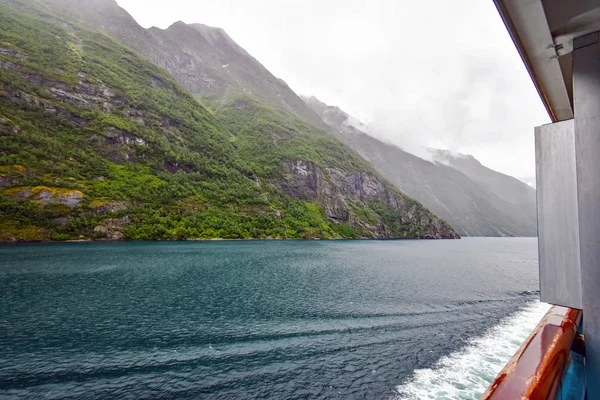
(434, 73)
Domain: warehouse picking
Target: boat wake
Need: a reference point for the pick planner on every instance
(467, 373)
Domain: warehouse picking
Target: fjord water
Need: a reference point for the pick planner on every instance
(281, 320)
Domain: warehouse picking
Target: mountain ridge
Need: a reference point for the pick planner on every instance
(474, 199)
(177, 48)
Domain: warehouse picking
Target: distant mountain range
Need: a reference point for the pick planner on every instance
(474, 199)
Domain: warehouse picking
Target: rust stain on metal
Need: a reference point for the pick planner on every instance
(536, 370)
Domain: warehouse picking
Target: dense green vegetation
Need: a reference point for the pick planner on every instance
(264, 136)
(98, 143)
(173, 174)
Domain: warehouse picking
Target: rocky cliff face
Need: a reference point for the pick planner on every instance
(346, 197)
(475, 200)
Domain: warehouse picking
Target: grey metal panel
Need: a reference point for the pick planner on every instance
(558, 224)
(526, 22)
(586, 100)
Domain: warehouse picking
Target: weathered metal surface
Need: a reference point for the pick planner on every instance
(558, 222)
(536, 370)
(586, 96)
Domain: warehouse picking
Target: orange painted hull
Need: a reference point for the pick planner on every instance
(536, 370)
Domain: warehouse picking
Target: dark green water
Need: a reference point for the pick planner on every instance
(280, 320)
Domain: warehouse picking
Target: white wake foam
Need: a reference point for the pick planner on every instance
(467, 373)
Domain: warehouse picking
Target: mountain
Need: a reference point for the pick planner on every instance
(529, 180)
(475, 200)
(203, 59)
(516, 193)
(99, 141)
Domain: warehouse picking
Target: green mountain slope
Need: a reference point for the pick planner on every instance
(98, 143)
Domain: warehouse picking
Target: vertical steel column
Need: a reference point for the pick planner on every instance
(586, 103)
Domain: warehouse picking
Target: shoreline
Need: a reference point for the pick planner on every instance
(211, 240)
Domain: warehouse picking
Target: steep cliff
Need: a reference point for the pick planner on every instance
(362, 200)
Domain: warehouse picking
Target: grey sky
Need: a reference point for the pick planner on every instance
(435, 73)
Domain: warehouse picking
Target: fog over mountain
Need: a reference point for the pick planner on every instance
(431, 73)
(475, 200)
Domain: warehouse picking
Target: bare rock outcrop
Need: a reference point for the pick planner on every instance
(363, 201)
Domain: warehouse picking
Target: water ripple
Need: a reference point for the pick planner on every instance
(280, 320)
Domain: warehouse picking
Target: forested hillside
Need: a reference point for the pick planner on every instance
(96, 142)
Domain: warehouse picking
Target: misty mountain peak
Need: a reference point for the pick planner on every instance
(105, 15)
(102, 8)
(339, 120)
(331, 115)
(178, 24)
(214, 37)
(454, 159)
(213, 32)
(107, 4)
(471, 197)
